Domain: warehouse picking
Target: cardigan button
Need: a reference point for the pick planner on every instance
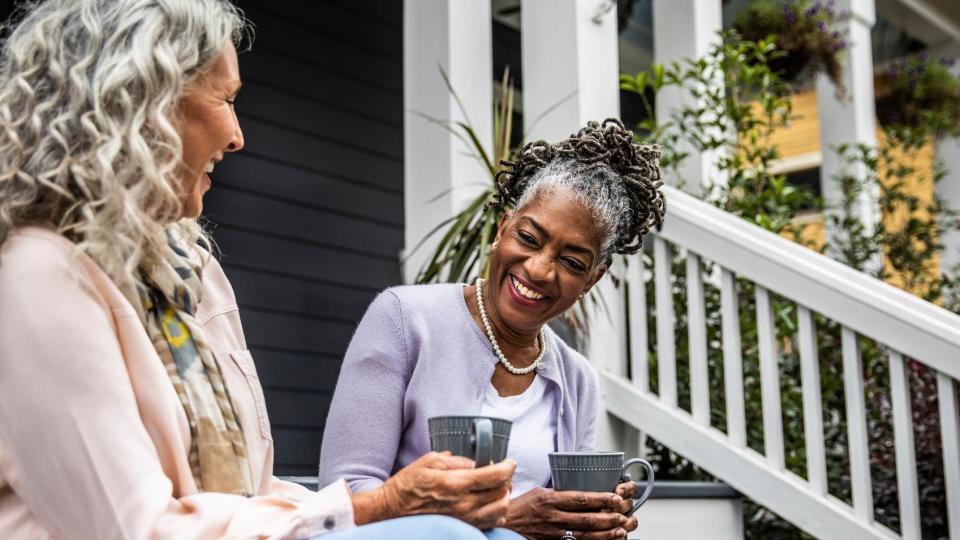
(329, 523)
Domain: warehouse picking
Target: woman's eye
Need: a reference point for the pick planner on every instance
(527, 238)
(575, 264)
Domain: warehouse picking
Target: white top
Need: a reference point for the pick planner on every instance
(533, 434)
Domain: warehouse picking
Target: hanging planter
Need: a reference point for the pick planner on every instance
(918, 98)
(805, 34)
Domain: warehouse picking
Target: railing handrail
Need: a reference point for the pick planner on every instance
(742, 468)
(912, 326)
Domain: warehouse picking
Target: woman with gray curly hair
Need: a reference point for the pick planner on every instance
(131, 407)
(485, 348)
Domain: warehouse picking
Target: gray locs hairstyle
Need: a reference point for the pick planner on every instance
(88, 145)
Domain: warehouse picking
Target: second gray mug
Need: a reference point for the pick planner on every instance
(596, 471)
(480, 438)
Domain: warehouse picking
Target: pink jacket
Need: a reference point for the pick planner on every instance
(93, 440)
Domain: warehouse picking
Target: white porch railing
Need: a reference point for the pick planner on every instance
(903, 324)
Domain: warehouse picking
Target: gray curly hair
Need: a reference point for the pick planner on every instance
(88, 91)
(612, 176)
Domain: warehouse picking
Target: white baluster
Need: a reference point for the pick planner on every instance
(637, 297)
(812, 402)
(906, 456)
(950, 435)
(732, 359)
(769, 380)
(697, 332)
(856, 426)
(666, 349)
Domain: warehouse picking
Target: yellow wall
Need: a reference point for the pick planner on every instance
(802, 137)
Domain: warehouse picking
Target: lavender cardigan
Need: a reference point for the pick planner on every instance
(418, 353)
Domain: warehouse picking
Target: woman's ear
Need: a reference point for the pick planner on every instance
(593, 281)
(502, 227)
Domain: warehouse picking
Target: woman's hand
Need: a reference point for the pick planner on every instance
(545, 513)
(627, 490)
(441, 483)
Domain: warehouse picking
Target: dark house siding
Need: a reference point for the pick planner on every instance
(309, 217)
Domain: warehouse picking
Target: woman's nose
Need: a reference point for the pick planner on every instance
(540, 267)
(236, 141)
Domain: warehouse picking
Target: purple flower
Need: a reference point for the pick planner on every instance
(822, 26)
(788, 14)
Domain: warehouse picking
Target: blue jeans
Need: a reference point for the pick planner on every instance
(421, 527)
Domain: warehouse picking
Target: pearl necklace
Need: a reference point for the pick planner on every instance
(536, 365)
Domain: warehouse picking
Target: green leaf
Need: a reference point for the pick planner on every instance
(658, 72)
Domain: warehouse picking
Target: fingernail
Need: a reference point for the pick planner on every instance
(621, 533)
(501, 522)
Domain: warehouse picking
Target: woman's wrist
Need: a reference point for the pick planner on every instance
(371, 506)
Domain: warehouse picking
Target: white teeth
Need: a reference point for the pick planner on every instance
(209, 168)
(525, 292)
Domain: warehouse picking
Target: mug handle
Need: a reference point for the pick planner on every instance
(482, 441)
(646, 493)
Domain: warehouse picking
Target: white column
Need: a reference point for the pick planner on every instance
(440, 174)
(686, 29)
(571, 59)
(569, 62)
(849, 120)
(948, 151)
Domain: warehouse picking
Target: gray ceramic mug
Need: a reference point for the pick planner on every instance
(596, 471)
(480, 438)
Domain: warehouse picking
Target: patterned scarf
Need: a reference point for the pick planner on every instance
(218, 455)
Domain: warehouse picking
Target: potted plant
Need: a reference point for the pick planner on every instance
(803, 30)
(918, 98)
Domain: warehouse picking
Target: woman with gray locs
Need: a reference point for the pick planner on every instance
(131, 405)
(485, 349)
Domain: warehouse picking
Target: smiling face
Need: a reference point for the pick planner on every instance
(208, 127)
(547, 255)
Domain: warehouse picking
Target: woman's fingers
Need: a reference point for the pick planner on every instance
(445, 460)
(581, 501)
(492, 514)
(631, 524)
(588, 521)
(613, 534)
(491, 477)
(627, 490)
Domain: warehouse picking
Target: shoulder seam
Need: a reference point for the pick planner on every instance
(398, 313)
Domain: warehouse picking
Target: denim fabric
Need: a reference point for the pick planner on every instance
(422, 528)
